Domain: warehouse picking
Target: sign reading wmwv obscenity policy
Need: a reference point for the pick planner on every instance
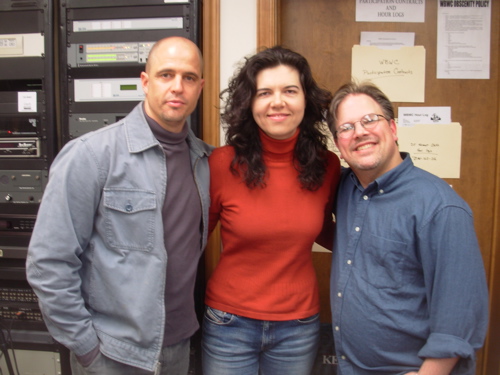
(463, 42)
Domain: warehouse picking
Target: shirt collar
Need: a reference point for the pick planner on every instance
(278, 149)
(389, 179)
(140, 137)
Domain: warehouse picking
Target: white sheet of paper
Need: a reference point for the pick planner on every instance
(390, 11)
(410, 116)
(463, 40)
(26, 101)
(387, 40)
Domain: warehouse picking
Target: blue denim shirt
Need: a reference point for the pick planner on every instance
(97, 259)
(408, 279)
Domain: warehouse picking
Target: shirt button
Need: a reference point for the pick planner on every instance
(349, 261)
(365, 197)
(339, 294)
(337, 328)
(343, 357)
(357, 229)
(381, 191)
(128, 208)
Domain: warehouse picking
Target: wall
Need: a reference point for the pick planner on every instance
(238, 37)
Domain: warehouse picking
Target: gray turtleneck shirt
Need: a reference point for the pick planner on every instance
(182, 235)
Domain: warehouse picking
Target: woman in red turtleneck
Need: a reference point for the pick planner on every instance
(272, 189)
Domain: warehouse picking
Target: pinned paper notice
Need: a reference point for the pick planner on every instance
(409, 116)
(437, 149)
(399, 73)
(390, 11)
(387, 40)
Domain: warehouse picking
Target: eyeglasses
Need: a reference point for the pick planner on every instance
(368, 121)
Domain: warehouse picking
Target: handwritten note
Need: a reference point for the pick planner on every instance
(437, 149)
(399, 73)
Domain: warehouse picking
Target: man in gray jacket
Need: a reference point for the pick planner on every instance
(121, 227)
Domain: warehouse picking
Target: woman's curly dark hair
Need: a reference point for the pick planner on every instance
(310, 154)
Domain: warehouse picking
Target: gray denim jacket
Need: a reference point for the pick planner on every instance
(96, 259)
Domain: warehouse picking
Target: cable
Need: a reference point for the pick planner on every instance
(6, 343)
(13, 351)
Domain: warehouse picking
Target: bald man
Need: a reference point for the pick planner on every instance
(121, 227)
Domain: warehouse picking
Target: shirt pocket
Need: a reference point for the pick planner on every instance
(129, 218)
(383, 262)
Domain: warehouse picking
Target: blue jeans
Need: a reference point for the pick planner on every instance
(174, 360)
(234, 345)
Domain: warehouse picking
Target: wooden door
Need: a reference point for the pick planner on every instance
(324, 31)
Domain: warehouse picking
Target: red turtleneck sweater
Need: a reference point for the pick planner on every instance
(265, 271)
